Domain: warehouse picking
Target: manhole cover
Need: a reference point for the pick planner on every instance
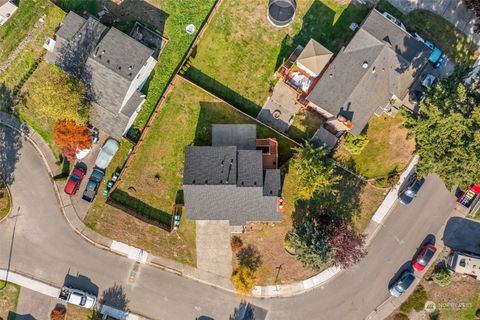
(277, 114)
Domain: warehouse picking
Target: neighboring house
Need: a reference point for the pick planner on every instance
(380, 63)
(112, 64)
(7, 9)
(233, 179)
(464, 263)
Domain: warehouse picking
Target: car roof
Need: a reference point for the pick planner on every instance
(106, 154)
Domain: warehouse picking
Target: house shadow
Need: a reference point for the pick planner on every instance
(222, 91)
(15, 316)
(11, 142)
(119, 14)
(320, 23)
(81, 282)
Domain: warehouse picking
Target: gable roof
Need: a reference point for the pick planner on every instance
(240, 135)
(314, 56)
(226, 182)
(380, 61)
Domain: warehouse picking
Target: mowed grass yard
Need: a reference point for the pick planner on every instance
(240, 50)
(388, 150)
(457, 46)
(185, 119)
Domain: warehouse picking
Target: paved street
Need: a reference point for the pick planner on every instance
(47, 248)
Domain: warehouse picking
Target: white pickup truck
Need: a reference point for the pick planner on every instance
(77, 297)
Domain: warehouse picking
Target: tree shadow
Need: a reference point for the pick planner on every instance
(6, 99)
(11, 142)
(115, 297)
(320, 23)
(248, 311)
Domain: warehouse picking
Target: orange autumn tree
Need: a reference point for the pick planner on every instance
(70, 137)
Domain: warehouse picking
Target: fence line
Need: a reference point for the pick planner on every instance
(165, 93)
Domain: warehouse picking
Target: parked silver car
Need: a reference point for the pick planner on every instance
(106, 154)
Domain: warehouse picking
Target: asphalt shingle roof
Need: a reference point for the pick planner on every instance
(228, 183)
(240, 135)
(380, 61)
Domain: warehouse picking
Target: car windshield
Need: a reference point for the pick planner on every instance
(83, 301)
(74, 177)
(406, 282)
(91, 185)
(426, 257)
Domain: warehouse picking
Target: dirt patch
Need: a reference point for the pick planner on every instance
(8, 299)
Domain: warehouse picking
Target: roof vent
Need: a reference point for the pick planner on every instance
(130, 68)
(206, 181)
(108, 60)
(103, 51)
(331, 75)
(193, 182)
(119, 67)
(130, 74)
(365, 65)
(373, 70)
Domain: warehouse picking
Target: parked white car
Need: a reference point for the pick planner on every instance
(106, 154)
(78, 297)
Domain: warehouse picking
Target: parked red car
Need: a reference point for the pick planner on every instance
(423, 257)
(73, 182)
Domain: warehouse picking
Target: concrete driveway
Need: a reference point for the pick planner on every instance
(214, 253)
(45, 247)
(454, 11)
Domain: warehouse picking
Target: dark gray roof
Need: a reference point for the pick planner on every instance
(243, 136)
(228, 183)
(365, 74)
(250, 170)
(210, 166)
(112, 123)
(323, 137)
(121, 54)
(70, 25)
(133, 103)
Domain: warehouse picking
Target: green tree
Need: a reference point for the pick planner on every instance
(310, 243)
(355, 144)
(441, 275)
(58, 96)
(447, 132)
(315, 170)
(244, 280)
(416, 301)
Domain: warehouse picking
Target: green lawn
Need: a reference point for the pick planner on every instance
(24, 63)
(5, 201)
(240, 50)
(431, 26)
(15, 29)
(8, 300)
(387, 152)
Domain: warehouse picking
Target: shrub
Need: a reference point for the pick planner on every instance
(354, 144)
(249, 257)
(401, 316)
(243, 279)
(441, 275)
(416, 301)
(236, 243)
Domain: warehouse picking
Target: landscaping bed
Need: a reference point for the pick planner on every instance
(458, 47)
(358, 198)
(388, 150)
(8, 300)
(5, 201)
(240, 50)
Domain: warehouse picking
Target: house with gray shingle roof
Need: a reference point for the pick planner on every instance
(7, 9)
(112, 64)
(227, 181)
(380, 63)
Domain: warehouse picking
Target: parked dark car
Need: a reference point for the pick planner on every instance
(402, 283)
(92, 185)
(423, 257)
(73, 182)
(410, 192)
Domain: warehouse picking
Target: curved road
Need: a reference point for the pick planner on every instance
(45, 247)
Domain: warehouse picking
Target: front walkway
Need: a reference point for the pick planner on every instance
(214, 253)
(454, 11)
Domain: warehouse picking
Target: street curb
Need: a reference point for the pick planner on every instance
(48, 289)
